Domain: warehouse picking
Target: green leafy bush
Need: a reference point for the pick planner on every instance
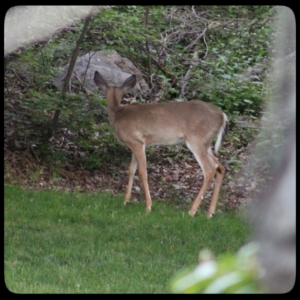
(229, 274)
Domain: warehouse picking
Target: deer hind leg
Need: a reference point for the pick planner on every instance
(209, 170)
(138, 152)
(220, 172)
(132, 169)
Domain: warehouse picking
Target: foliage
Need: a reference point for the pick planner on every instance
(240, 137)
(219, 54)
(234, 41)
(230, 274)
(62, 242)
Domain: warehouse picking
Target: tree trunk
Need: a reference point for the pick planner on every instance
(54, 124)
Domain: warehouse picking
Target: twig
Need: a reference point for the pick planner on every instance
(135, 64)
(196, 40)
(65, 138)
(87, 66)
(206, 46)
(82, 85)
(147, 43)
(200, 18)
(166, 73)
(34, 154)
(187, 75)
(20, 78)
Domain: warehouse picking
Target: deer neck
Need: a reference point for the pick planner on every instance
(114, 97)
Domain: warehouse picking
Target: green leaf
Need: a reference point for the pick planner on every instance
(226, 76)
(248, 101)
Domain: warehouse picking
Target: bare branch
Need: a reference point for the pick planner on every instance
(187, 75)
(70, 70)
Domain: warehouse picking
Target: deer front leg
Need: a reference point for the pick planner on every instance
(139, 152)
(132, 169)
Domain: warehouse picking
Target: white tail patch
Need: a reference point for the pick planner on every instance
(221, 134)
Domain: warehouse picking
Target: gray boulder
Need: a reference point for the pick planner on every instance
(113, 67)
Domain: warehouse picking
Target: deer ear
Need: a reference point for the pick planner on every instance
(129, 83)
(100, 81)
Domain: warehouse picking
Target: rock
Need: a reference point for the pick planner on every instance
(114, 68)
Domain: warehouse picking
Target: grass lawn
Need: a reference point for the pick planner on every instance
(60, 242)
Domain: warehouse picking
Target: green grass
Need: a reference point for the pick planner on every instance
(59, 242)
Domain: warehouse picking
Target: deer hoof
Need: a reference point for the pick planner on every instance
(148, 208)
(210, 215)
(192, 213)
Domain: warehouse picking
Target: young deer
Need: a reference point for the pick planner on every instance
(196, 123)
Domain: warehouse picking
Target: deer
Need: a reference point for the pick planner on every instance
(138, 126)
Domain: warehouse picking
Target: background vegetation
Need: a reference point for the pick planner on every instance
(214, 53)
